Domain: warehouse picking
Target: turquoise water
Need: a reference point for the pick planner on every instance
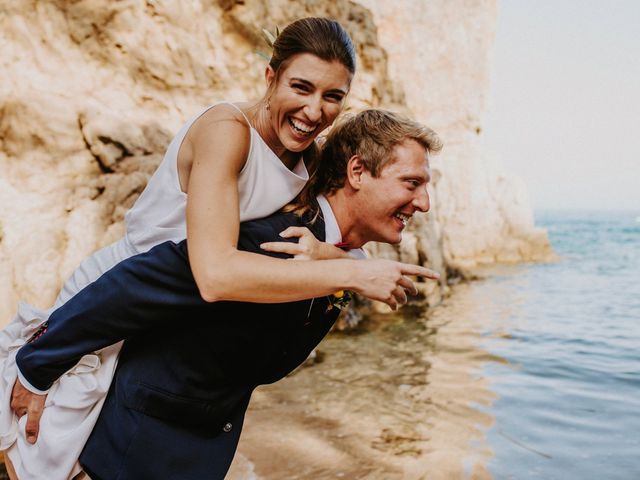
(568, 400)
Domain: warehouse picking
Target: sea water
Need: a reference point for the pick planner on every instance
(568, 397)
(532, 372)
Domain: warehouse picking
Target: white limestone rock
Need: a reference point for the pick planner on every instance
(92, 91)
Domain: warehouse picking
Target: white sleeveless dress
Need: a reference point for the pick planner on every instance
(74, 401)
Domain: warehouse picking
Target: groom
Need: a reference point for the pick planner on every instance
(187, 368)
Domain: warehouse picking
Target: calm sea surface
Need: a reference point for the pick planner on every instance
(530, 373)
(568, 400)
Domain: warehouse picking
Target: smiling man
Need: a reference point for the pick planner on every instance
(382, 178)
(188, 367)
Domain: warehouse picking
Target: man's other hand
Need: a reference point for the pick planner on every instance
(25, 402)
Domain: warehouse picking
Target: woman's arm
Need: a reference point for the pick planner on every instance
(219, 143)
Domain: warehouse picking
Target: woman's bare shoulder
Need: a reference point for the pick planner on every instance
(223, 115)
(219, 128)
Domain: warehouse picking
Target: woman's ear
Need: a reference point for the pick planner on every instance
(355, 169)
(269, 76)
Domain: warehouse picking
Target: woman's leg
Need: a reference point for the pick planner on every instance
(79, 395)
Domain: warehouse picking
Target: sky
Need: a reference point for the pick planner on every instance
(564, 109)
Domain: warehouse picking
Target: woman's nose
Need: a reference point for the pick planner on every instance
(313, 110)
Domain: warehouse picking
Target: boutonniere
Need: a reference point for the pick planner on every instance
(340, 299)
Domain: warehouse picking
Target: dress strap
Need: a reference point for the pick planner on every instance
(241, 112)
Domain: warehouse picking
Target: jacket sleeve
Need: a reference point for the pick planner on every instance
(140, 293)
(133, 296)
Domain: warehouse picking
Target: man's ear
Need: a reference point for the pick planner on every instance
(355, 169)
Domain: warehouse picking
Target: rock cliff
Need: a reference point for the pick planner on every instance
(92, 91)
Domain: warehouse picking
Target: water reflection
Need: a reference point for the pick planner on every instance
(403, 399)
(414, 398)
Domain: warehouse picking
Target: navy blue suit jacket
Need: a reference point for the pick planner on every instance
(187, 367)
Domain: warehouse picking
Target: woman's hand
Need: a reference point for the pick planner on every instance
(387, 281)
(307, 248)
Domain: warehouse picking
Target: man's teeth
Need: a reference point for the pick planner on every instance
(404, 218)
(301, 127)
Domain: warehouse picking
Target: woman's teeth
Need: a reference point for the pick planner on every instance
(301, 128)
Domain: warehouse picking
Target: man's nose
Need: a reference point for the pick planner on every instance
(422, 201)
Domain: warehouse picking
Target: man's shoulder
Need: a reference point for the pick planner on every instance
(282, 217)
(267, 229)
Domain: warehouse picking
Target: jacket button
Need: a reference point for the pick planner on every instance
(227, 427)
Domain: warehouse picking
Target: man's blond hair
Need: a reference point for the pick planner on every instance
(371, 135)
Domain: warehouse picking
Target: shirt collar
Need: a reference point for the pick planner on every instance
(331, 228)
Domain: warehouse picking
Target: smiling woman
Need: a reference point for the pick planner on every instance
(302, 101)
(232, 162)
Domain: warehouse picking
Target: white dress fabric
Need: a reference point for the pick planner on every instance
(159, 214)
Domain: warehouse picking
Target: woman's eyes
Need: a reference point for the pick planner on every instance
(334, 97)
